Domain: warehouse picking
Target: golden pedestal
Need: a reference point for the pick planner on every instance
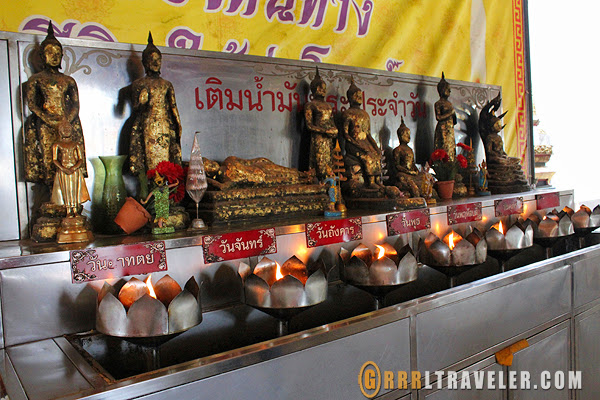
(73, 230)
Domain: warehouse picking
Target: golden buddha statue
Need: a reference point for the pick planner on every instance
(318, 115)
(69, 186)
(404, 161)
(52, 98)
(446, 119)
(156, 132)
(363, 156)
(409, 179)
(259, 172)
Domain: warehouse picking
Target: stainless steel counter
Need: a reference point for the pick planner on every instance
(447, 330)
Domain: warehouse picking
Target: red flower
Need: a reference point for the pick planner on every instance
(464, 147)
(173, 172)
(462, 161)
(439, 154)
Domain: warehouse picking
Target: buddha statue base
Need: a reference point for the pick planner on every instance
(73, 229)
(246, 204)
(243, 190)
(47, 225)
(506, 178)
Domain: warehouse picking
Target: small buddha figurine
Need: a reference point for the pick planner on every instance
(52, 98)
(426, 184)
(404, 160)
(446, 119)
(363, 156)
(323, 132)
(69, 186)
(156, 131)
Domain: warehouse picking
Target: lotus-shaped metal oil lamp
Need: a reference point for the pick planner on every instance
(378, 273)
(585, 221)
(550, 228)
(453, 255)
(505, 243)
(148, 314)
(143, 310)
(283, 291)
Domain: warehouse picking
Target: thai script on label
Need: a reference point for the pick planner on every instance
(461, 213)
(408, 221)
(507, 207)
(330, 232)
(231, 246)
(117, 261)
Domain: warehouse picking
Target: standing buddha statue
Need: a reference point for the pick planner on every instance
(323, 132)
(52, 97)
(156, 132)
(446, 119)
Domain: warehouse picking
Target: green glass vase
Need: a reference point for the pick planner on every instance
(114, 192)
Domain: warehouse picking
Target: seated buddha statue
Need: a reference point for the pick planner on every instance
(363, 157)
(407, 173)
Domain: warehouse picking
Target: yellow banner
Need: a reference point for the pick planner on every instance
(470, 40)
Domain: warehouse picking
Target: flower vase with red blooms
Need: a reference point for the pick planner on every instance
(444, 172)
(167, 189)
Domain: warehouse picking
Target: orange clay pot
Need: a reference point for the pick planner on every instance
(132, 216)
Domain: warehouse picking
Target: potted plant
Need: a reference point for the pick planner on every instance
(445, 171)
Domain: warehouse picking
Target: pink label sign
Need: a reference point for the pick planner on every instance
(329, 232)
(547, 200)
(507, 207)
(464, 213)
(231, 246)
(114, 262)
(408, 221)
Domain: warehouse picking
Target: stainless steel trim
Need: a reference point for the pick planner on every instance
(11, 379)
(14, 254)
(80, 363)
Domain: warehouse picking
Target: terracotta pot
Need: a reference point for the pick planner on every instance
(132, 216)
(445, 189)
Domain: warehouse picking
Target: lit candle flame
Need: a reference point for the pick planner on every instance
(148, 283)
(451, 241)
(380, 252)
(278, 274)
(500, 227)
(545, 217)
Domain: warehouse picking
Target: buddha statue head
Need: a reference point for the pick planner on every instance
(318, 87)
(403, 132)
(51, 50)
(151, 57)
(354, 94)
(443, 88)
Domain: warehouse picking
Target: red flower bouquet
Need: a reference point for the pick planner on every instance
(462, 161)
(173, 173)
(445, 170)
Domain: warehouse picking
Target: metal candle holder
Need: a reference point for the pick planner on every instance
(504, 246)
(585, 221)
(285, 291)
(550, 228)
(380, 273)
(453, 255)
(137, 316)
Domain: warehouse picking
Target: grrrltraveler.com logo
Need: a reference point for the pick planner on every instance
(372, 380)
